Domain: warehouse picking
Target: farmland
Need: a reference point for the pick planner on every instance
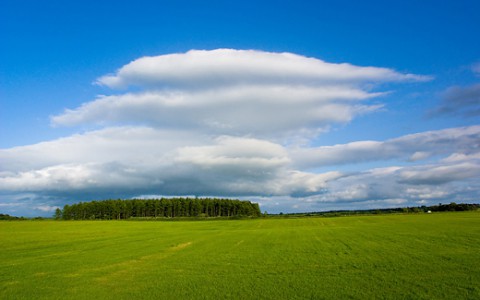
(416, 256)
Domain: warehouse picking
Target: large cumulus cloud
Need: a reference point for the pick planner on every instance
(222, 122)
(236, 92)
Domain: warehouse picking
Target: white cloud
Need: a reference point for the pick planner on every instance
(427, 192)
(413, 147)
(236, 92)
(225, 67)
(109, 160)
(461, 157)
(131, 145)
(254, 110)
(433, 183)
(248, 153)
(419, 155)
(46, 208)
(443, 173)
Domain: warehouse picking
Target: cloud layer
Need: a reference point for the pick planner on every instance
(241, 124)
(236, 92)
(106, 162)
(413, 147)
(227, 67)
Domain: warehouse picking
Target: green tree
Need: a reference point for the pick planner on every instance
(58, 214)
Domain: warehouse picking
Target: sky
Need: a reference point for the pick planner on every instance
(298, 105)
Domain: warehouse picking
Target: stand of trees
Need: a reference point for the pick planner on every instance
(158, 208)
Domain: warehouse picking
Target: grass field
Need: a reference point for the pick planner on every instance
(417, 256)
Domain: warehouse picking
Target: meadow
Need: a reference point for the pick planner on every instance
(410, 256)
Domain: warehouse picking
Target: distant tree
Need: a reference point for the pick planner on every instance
(58, 214)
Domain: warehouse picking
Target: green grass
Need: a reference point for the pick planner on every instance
(418, 256)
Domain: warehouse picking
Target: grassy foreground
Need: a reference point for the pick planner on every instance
(421, 256)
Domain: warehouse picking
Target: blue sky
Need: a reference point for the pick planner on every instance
(297, 142)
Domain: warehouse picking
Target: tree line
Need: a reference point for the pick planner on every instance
(7, 217)
(414, 209)
(453, 207)
(158, 208)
